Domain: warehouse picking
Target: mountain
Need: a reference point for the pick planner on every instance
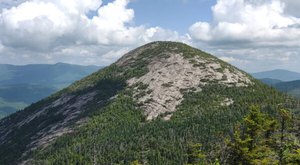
(58, 75)
(278, 74)
(22, 85)
(270, 81)
(291, 87)
(150, 106)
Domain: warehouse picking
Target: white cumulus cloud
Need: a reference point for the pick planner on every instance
(266, 26)
(241, 20)
(46, 27)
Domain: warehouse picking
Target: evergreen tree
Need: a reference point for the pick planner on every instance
(196, 155)
(249, 144)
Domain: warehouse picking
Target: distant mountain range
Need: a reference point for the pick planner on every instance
(283, 80)
(278, 74)
(23, 85)
(270, 81)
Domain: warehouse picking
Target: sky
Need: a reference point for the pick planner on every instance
(254, 35)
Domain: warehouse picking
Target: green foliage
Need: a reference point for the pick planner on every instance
(136, 162)
(292, 157)
(263, 140)
(196, 154)
(250, 146)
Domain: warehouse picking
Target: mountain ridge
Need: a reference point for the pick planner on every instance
(270, 81)
(279, 74)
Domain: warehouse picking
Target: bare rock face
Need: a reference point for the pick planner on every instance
(67, 108)
(168, 77)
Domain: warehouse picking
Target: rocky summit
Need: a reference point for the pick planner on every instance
(149, 107)
(171, 72)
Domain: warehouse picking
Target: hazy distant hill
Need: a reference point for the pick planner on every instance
(270, 81)
(23, 85)
(283, 80)
(291, 87)
(58, 75)
(278, 74)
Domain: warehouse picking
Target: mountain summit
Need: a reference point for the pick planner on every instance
(149, 106)
(170, 68)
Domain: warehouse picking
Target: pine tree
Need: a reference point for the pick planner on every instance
(249, 144)
(285, 119)
(196, 154)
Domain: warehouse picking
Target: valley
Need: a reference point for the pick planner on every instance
(21, 86)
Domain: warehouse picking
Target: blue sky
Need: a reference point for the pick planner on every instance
(172, 14)
(254, 35)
